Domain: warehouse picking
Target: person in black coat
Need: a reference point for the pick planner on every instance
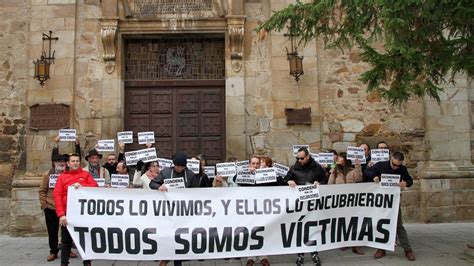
(306, 171)
(394, 167)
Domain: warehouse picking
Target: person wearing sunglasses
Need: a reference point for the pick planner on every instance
(306, 171)
(394, 167)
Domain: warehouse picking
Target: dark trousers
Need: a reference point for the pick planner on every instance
(66, 242)
(401, 232)
(52, 224)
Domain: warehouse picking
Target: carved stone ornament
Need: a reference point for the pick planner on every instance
(108, 33)
(236, 38)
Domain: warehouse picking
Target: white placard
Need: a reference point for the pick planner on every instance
(131, 158)
(210, 171)
(100, 182)
(245, 177)
(119, 181)
(354, 153)
(389, 181)
(125, 136)
(297, 147)
(326, 158)
(193, 165)
(226, 169)
(177, 182)
(53, 178)
(162, 224)
(147, 155)
(242, 165)
(163, 163)
(281, 169)
(315, 156)
(146, 137)
(107, 145)
(379, 155)
(309, 192)
(265, 175)
(67, 135)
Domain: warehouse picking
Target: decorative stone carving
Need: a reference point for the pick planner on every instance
(108, 33)
(236, 37)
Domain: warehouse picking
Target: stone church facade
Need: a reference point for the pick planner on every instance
(197, 74)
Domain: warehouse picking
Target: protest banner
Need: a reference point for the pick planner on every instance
(193, 165)
(146, 137)
(208, 223)
(242, 165)
(379, 155)
(281, 169)
(119, 181)
(107, 145)
(297, 147)
(125, 137)
(315, 156)
(53, 178)
(147, 155)
(265, 175)
(67, 135)
(226, 169)
(354, 153)
(388, 181)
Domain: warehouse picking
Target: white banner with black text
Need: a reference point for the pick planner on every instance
(206, 223)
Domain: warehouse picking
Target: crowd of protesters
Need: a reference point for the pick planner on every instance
(306, 170)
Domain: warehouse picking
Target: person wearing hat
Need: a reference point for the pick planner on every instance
(94, 168)
(47, 202)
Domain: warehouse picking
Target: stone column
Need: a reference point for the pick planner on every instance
(447, 178)
(235, 82)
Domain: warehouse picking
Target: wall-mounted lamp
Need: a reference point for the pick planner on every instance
(296, 61)
(42, 65)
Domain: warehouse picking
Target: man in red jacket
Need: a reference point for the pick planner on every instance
(77, 177)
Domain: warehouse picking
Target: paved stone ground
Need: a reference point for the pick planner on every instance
(434, 244)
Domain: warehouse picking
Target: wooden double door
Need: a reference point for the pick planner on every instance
(185, 116)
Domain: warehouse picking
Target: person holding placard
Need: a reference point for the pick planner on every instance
(47, 202)
(394, 167)
(150, 172)
(179, 170)
(345, 173)
(204, 180)
(306, 171)
(226, 181)
(93, 167)
(77, 177)
(112, 161)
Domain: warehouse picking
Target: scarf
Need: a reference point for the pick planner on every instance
(151, 175)
(94, 171)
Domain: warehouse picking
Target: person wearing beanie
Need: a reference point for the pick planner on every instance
(178, 170)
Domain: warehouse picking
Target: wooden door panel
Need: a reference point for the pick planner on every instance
(210, 101)
(162, 125)
(164, 147)
(187, 101)
(139, 102)
(188, 145)
(211, 124)
(188, 125)
(162, 102)
(138, 123)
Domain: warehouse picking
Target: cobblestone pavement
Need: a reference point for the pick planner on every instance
(433, 244)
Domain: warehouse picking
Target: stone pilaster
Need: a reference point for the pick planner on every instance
(447, 178)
